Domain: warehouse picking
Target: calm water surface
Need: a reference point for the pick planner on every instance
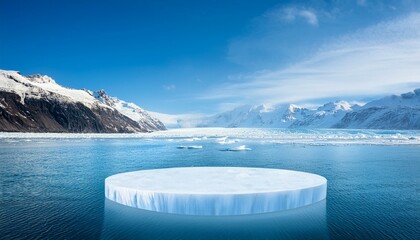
(54, 189)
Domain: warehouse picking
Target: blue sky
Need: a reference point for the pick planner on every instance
(208, 56)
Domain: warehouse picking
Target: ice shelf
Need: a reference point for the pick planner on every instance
(216, 190)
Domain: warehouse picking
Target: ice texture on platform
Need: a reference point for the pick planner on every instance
(216, 190)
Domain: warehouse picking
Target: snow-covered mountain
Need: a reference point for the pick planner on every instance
(130, 110)
(256, 116)
(178, 120)
(325, 116)
(279, 116)
(392, 112)
(37, 103)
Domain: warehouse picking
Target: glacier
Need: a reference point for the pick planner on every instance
(223, 136)
(216, 191)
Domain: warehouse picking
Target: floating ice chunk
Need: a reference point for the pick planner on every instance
(216, 190)
(240, 148)
(225, 140)
(195, 147)
(190, 147)
(192, 139)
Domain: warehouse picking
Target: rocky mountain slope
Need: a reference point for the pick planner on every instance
(37, 103)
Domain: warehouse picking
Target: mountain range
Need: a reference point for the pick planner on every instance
(391, 112)
(37, 103)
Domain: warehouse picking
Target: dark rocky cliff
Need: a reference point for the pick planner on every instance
(51, 115)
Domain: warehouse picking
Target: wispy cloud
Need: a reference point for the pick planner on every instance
(380, 59)
(169, 87)
(290, 14)
(271, 36)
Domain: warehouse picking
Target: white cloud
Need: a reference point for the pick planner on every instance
(169, 87)
(271, 36)
(290, 14)
(310, 17)
(381, 59)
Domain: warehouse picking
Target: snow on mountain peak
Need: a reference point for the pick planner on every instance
(130, 110)
(338, 114)
(409, 99)
(101, 93)
(44, 87)
(38, 78)
(37, 86)
(335, 106)
(293, 108)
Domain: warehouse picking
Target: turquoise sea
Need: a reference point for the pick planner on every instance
(52, 186)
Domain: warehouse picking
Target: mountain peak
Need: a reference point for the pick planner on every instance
(102, 93)
(38, 78)
(335, 106)
(116, 115)
(408, 99)
(102, 96)
(293, 107)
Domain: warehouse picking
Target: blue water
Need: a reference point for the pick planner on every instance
(54, 189)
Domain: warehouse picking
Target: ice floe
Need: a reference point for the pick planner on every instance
(190, 147)
(236, 149)
(216, 190)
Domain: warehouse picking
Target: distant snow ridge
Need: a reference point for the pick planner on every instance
(392, 112)
(36, 103)
(325, 116)
(280, 116)
(256, 116)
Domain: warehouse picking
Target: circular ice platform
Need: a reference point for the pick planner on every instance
(216, 190)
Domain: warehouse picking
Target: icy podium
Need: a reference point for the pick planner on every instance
(216, 190)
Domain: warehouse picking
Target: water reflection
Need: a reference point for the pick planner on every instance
(122, 222)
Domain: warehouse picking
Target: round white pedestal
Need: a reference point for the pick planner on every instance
(216, 190)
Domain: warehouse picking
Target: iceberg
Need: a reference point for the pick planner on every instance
(225, 140)
(190, 147)
(216, 191)
(240, 148)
